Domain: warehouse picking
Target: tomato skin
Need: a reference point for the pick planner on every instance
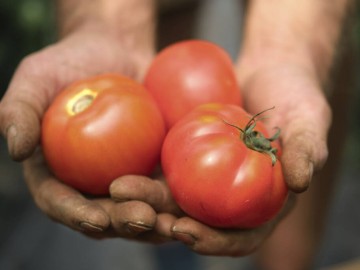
(214, 177)
(120, 132)
(190, 73)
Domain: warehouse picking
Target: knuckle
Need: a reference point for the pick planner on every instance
(34, 64)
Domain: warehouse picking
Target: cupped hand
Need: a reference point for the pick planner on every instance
(301, 112)
(43, 74)
(174, 223)
(36, 82)
(97, 217)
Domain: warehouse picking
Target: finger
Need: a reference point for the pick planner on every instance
(224, 242)
(137, 221)
(28, 95)
(161, 233)
(164, 225)
(302, 113)
(154, 192)
(305, 146)
(20, 125)
(60, 202)
(206, 240)
(132, 218)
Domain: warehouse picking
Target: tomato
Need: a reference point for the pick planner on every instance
(189, 73)
(214, 176)
(101, 128)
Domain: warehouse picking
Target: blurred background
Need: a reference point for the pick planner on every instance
(29, 240)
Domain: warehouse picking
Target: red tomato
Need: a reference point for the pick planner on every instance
(188, 74)
(99, 129)
(214, 177)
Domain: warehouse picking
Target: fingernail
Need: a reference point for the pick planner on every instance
(137, 228)
(186, 238)
(119, 200)
(311, 170)
(11, 133)
(90, 227)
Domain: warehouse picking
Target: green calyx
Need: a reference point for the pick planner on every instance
(255, 140)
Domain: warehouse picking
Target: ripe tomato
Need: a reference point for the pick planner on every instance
(188, 74)
(214, 177)
(99, 129)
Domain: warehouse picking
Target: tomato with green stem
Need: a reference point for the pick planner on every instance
(100, 128)
(222, 167)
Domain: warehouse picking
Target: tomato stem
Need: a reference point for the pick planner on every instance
(81, 101)
(255, 140)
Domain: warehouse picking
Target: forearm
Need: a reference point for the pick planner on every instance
(132, 21)
(304, 31)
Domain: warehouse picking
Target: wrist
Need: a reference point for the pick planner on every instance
(129, 23)
(257, 59)
(285, 32)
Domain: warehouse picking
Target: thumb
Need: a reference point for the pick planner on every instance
(22, 107)
(302, 113)
(20, 125)
(305, 148)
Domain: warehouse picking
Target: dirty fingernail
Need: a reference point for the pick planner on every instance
(186, 238)
(138, 227)
(90, 227)
(11, 134)
(119, 200)
(311, 171)
(11, 131)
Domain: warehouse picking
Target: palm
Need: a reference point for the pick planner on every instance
(302, 113)
(36, 82)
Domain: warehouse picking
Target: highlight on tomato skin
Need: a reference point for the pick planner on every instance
(214, 177)
(100, 128)
(189, 73)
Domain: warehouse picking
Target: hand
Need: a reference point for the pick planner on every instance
(36, 82)
(172, 222)
(301, 112)
(95, 217)
(42, 75)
